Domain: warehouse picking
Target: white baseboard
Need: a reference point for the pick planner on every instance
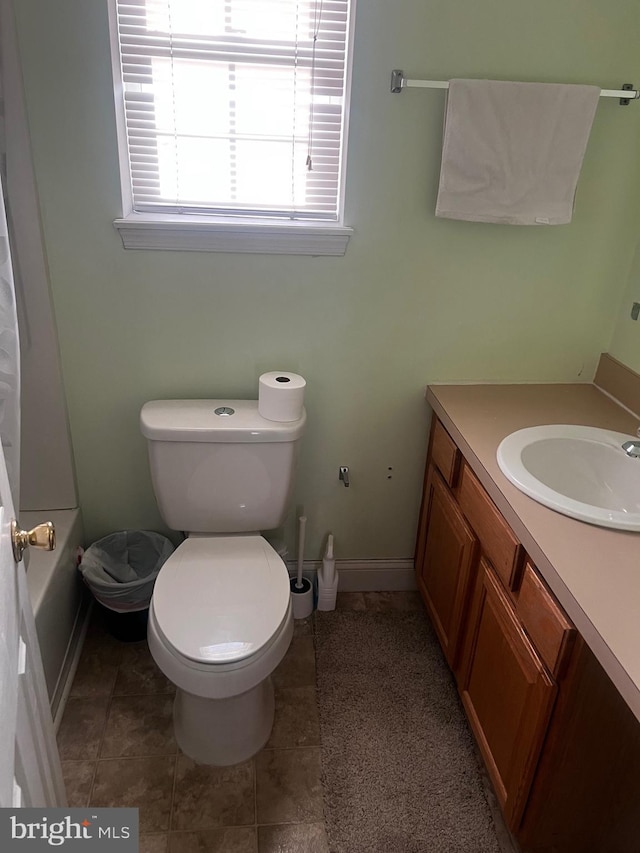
(72, 659)
(365, 575)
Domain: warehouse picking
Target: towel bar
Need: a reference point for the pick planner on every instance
(400, 82)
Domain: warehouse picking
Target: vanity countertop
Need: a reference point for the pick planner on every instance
(593, 571)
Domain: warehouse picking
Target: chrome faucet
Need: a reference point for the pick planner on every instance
(632, 448)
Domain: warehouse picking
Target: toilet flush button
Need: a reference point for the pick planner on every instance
(225, 411)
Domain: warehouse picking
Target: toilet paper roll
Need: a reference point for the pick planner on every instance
(281, 396)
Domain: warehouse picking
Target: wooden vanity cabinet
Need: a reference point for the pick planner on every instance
(468, 565)
(444, 562)
(507, 693)
(586, 790)
(561, 747)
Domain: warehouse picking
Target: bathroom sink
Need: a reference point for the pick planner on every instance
(579, 471)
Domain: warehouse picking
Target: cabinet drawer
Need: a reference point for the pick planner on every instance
(544, 621)
(444, 453)
(496, 537)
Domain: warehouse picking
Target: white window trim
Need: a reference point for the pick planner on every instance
(209, 234)
(190, 233)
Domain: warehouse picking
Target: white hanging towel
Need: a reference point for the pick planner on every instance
(512, 152)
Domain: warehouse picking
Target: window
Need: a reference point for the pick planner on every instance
(232, 123)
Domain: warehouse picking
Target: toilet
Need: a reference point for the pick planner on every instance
(220, 619)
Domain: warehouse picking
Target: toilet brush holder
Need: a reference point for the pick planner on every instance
(327, 593)
(328, 579)
(301, 598)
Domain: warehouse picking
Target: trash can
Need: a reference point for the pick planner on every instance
(120, 570)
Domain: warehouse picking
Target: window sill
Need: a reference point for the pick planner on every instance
(198, 234)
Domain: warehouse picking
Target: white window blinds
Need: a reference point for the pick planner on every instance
(235, 107)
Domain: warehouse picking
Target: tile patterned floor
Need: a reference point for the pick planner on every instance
(117, 748)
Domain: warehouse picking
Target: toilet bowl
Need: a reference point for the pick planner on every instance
(220, 622)
(220, 619)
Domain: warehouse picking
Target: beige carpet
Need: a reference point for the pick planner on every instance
(399, 769)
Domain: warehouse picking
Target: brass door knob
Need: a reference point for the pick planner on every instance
(42, 536)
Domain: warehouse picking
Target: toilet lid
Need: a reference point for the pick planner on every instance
(221, 599)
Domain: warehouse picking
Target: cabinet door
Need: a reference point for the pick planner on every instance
(507, 694)
(444, 567)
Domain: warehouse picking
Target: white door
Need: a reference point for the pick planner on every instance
(30, 773)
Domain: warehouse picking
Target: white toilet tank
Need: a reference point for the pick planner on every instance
(218, 466)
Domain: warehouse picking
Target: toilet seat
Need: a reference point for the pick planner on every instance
(219, 600)
(219, 681)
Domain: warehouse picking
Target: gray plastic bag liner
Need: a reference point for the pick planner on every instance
(121, 569)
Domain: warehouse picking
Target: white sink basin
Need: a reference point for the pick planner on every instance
(579, 471)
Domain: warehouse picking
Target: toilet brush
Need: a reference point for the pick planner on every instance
(301, 589)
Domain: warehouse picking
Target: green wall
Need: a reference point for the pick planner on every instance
(415, 300)
(625, 343)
